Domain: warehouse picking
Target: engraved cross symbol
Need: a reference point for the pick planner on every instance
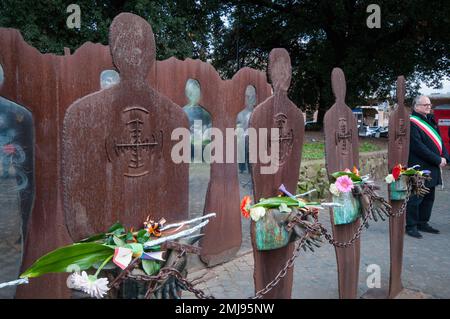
(285, 139)
(137, 145)
(343, 135)
(401, 131)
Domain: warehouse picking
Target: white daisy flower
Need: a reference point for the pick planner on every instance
(93, 286)
(75, 281)
(389, 179)
(334, 190)
(257, 212)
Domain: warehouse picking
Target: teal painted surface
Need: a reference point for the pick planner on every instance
(269, 234)
(398, 189)
(349, 211)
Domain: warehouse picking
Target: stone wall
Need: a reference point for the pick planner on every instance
(313, 173)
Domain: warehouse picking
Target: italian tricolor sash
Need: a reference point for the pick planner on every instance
(429, 130)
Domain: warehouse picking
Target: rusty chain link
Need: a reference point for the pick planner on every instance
(402, 209)
(155, 282)
(283, 272)
(355, 236)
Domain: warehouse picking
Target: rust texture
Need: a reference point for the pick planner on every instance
(117, 145)
(223, 99)
(280, 113)
(341, 152)
(398, 151)
(47, 84)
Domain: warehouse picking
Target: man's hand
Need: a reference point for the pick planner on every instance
(443, 162)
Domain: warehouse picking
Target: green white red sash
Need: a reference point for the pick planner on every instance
(429, 130)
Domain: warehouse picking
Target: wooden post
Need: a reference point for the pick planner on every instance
(398, 152)
(341, 152)
(277, 112)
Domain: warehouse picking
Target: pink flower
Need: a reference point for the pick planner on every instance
(344, 184)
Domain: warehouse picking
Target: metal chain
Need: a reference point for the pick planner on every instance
(163, 275)
(166, 272)
(283, 272)
(355, 236)
(317, 227)
(402, 209)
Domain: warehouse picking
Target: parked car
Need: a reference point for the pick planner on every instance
(372, 131)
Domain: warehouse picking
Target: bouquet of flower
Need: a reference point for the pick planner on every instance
(355, 193)
(401, 176)
(143, 250)
(281, 219)
(345, 181)
(399, 171)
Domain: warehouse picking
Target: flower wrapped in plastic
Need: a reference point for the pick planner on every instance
(403, 180)
(283, 219)
(356, 196)
(121, 263)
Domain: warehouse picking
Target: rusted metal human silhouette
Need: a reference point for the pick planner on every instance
(280, 113)
(341, 152)
(117, 144)
(398, 152)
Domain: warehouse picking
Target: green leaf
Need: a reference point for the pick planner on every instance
(274, 202)
(137, 249)
(410, 172)
(116, 226)
(84, 255)
(151, 267)
(283, 208)
(93, 238)
(354, 177)
(119, 242)
(142, 236)
(153, 248)
(129, 236)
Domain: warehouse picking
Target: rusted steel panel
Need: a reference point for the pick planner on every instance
(223, 99)
(117, 145)
(341, 152)
(47, 84)
(277, 112)
(398, 152)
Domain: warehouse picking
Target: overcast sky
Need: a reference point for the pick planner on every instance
(426, 90)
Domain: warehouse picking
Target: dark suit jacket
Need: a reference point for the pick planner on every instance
(423, 152)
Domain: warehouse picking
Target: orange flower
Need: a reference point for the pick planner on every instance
(244, 206)
(355, 171)
(396, 171)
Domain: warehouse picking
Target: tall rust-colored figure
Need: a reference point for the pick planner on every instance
(398, 152)
(280, 113)
(117, 144)
(341, 149)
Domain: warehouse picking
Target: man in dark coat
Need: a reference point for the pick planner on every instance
(427, 150)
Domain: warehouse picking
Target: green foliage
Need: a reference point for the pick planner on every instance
(182, 28)
(354, 177)
(365, 147)
(84, 255)
(313, 151)
(151, 267)
(414, 38)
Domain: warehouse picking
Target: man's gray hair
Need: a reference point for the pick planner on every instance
(417, 100)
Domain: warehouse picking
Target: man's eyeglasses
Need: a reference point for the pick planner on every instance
(428, 104)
